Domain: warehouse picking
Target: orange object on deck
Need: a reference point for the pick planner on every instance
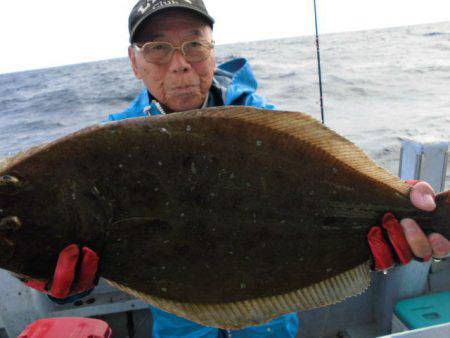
(68, 328)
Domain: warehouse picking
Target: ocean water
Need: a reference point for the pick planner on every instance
(380, 87)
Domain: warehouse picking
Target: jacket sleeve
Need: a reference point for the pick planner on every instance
(255, 100)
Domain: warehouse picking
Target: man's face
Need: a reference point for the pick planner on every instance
(178, 85)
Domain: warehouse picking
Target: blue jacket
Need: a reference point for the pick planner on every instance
(233, 84)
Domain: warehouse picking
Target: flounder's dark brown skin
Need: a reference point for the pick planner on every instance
(209, 206)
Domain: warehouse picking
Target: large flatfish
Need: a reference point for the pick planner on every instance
(226, 216)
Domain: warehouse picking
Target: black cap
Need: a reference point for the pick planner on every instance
(146, 8)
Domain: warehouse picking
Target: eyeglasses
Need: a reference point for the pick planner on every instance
(161, 52)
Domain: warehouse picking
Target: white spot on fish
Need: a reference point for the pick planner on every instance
(164, 131)
(120, 166)
(326, 227)
(193, 169)
(182, 215)
(212, 194)
(95, 191)
(329, 269)
(188, 128)
(156, 189)
(243, 286)
(259, 143)
(164, 289)
(357, 227)
(231, 253)
(74, 196)
(160, 163)
(163, 268)
(283, 222)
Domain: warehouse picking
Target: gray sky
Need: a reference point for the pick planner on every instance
(47, 33)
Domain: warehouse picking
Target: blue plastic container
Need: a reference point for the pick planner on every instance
(424, 311)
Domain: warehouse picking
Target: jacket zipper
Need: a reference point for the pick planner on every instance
(158, 106)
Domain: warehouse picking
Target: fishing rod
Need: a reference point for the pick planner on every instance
(318, 65)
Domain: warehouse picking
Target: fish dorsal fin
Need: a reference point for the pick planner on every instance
(251, 312)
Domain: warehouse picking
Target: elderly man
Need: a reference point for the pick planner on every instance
(172, 52)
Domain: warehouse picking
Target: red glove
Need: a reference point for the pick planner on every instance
(398, 250)
(75, 273)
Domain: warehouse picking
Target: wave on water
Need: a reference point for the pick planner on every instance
(436, 34)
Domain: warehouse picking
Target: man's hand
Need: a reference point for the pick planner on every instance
(75, 273)
(406, 237)
(436, 245)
